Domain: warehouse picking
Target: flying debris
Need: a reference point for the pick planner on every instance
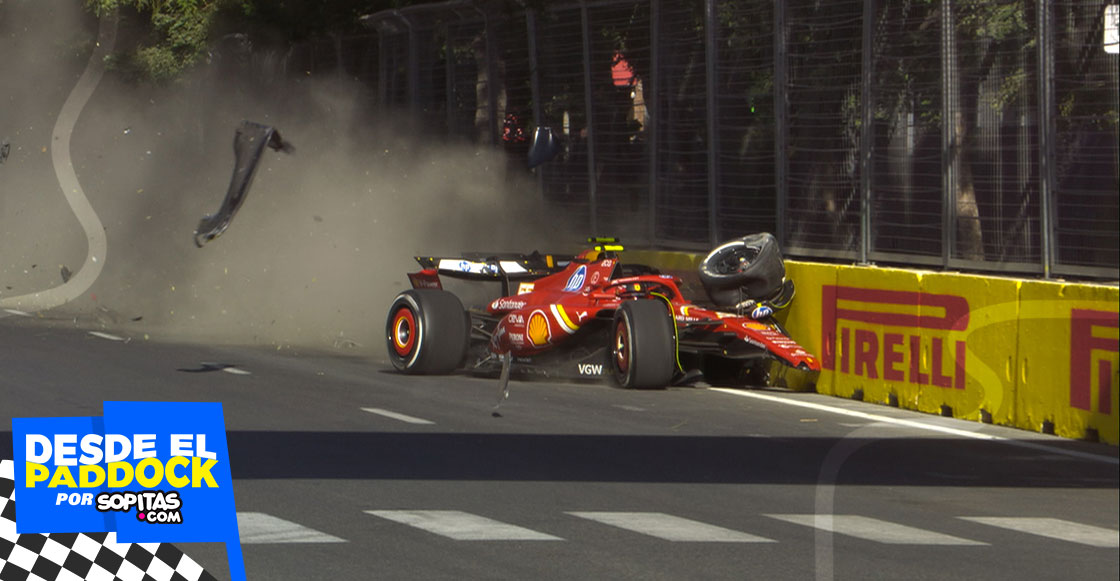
(208, 366)
(5, 149)
(248, 145)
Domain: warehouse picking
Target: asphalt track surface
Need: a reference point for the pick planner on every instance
(345, 470)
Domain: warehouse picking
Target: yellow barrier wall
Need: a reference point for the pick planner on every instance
(1068, 359)
(868, 321)
(978, 352)
(1042, 356)
(803, 318)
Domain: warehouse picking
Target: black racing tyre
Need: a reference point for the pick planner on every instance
(749, 267)
(643, 351)
(426, 331)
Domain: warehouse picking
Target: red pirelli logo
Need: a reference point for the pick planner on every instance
(1082, 345)
(895, 356)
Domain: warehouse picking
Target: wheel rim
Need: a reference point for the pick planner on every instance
(736, 260)
(403, 332)
(622, 349)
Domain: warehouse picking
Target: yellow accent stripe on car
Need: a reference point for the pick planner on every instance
(562, 318)
(676, 332)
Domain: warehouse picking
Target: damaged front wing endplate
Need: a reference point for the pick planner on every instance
(248, 145)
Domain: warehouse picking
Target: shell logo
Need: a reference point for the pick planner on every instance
(537, 329)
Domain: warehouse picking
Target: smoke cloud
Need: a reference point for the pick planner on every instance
(323, 240)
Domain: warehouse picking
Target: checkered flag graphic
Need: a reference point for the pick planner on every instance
(82, 556)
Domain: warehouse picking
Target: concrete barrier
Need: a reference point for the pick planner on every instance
(1037, 355)
(1067, 360)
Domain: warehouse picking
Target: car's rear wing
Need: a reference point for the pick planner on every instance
(477, 267)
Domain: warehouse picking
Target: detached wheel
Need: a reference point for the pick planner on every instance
(426, 332)
(749, 267)
(643, 346)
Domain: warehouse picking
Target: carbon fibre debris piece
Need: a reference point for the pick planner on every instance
(503, 380)
(248, 144)
(209, 366)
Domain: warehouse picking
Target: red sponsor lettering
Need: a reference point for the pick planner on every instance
(1081, 346)
(954, 319)
(892, 357)
(867, 352)
(860, 351)
(938, 365)
(916, 375)
(427, 278)
(962, 356)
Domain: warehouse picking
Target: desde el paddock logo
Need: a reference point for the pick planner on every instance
(187, 467)
(149, 471)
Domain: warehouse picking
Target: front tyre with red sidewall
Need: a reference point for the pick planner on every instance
(426, 332)
(643, 345)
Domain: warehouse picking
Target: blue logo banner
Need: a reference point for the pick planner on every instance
(149, 471)
(575, 282)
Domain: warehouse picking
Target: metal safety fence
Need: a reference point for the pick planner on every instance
(964, 134)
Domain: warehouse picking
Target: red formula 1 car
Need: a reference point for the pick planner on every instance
(593, 316)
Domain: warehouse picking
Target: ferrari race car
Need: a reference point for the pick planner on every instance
(593, 316)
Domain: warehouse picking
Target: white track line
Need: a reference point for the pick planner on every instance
(871, 529)
(670, 528)
(108, 336)
(97, 246)
(1054, 528)
(462, 526)
(258, 528)
(398, 416)
(916, 425)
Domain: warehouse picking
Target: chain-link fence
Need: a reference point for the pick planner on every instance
(976, 134)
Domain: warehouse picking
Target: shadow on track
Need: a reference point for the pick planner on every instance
(664, 459)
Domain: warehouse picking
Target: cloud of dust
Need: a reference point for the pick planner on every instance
(325, 236)
(43, 49)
